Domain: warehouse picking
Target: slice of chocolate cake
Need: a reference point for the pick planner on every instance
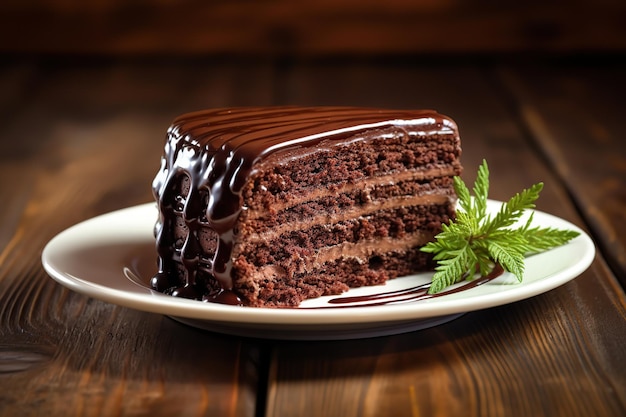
(272, 206)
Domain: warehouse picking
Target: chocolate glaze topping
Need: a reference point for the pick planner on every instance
(219, 151)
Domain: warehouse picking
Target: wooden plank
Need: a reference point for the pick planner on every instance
(532, 357)
(550, 355)
(90, 142)
(576, 118)
(310, 27)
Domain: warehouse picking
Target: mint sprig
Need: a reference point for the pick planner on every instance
(475, 242)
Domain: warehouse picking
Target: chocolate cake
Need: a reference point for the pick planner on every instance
(273, 206)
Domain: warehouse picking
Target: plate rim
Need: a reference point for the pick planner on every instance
(151, 301)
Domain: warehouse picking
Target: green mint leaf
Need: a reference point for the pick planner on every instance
(453, 268)
(541, 239)
(463, 193)
(481, 190)
(512, 210)
(510, 257)
(475, 242)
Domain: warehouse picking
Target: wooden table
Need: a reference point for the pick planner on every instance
(81, 138)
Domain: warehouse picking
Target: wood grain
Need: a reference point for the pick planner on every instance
(84, 137)
(530, 358)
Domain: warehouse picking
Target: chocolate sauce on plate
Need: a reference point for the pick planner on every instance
(417, 293)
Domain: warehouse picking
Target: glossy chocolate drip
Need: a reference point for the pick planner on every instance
(219, 150)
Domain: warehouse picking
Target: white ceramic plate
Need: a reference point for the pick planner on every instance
(112, 257)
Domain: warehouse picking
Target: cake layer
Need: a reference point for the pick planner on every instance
(331, 278)
(397, 184)
(394, 151)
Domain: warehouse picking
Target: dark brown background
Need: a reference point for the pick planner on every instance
(311, 28)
